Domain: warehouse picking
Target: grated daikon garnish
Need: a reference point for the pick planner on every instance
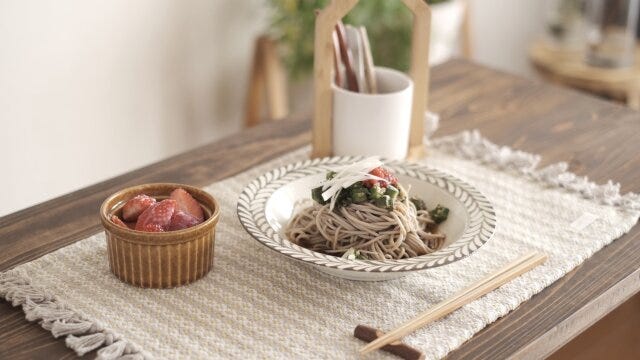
(349, 175)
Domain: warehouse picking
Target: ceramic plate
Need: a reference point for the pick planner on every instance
(267, 203)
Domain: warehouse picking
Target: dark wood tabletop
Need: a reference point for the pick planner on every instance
(598, 138)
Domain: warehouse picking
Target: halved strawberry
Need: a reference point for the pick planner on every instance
(182, 220)
(136, 206)
(151, 228)
(157, 217)
(116, 220)
(187, 203)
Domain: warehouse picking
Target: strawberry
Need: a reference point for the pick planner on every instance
(182, 220)
(157, 216)
(136, 206)
(116, 220)
(151, 228)
(187, 203)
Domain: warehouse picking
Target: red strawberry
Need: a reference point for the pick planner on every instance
(136, 206)
(157, 217)
(116, 220)
(187, 203)
(151, 228)
(182, 220)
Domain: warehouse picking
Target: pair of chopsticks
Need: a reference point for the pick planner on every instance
(352, 59)
(461, 298)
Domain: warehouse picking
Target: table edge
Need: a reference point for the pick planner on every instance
(582, 319)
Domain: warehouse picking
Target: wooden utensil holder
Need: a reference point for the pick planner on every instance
(323, 64)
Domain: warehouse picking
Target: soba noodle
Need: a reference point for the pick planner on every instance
(376, 233)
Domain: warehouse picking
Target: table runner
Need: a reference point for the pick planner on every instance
(259, 304)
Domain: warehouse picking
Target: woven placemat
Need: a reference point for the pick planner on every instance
(258, 304)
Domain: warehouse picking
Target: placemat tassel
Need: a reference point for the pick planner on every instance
(131, 357)
(61, 328)
(48, 312)
(55, 317)
(112, 352)
(83, 344)
(18, 294)
(473, 146)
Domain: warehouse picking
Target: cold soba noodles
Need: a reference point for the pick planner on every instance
(362, 212)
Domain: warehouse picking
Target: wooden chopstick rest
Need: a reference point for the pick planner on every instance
(398, 348)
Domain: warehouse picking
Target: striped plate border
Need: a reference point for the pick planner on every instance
(479, 229)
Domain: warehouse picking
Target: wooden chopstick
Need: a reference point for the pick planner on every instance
(347, 60)
(397, 348)
(463, 297)
(369, 69)
(337, 63)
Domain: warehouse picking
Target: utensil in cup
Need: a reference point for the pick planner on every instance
(374, 124)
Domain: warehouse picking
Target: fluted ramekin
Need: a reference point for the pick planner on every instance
(163, 259)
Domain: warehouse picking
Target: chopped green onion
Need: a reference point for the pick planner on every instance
(358, 195)
(384, 202)
(331, 175)
(418, 203)
(392, 192)
(316, 194)
(343, 199)
(376, 192)
(358, 185)
(439, 214)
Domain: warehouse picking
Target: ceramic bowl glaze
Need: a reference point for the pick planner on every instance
(268, 203)
(164, 259)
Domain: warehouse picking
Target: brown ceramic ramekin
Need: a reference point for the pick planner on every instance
(164, 259)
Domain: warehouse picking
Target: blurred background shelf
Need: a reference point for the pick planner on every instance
(567, 67)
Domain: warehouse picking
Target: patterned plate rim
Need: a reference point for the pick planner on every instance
(251, 210)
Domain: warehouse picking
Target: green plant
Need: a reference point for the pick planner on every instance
(388, 24)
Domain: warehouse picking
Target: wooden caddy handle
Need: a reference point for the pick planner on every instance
(323, 65)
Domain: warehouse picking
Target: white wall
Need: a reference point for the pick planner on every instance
(91, 89)
(502, 31)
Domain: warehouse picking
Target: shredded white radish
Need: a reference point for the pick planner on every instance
(349, 175)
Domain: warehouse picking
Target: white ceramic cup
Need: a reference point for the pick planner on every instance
(374, 124)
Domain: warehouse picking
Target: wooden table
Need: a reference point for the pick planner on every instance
(597, 138)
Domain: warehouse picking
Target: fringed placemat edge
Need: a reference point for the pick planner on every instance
(471, 145)
(81, 334)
